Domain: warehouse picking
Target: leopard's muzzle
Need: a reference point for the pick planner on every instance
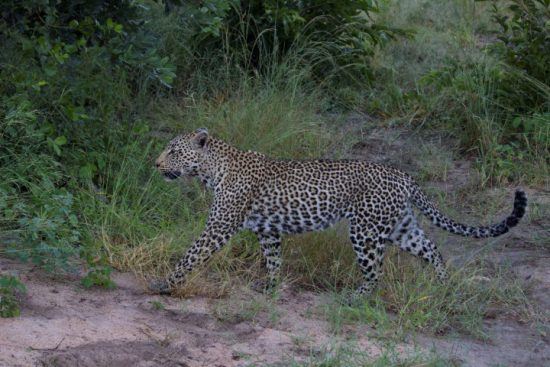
(171, 175)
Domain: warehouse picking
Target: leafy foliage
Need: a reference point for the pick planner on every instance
(99, 276)
(67, 32)
(525, 37)
(10, 286)
(33, 202)
(69, 69)
(90, 42)
(524, 43)
(263, 30)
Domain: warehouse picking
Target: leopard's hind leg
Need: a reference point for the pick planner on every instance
(411, 238)
(369, 247)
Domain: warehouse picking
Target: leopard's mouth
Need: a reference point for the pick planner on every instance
(171, 175)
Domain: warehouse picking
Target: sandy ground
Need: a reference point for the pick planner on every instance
(62, 324)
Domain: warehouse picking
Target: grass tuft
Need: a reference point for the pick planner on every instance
(410, 298)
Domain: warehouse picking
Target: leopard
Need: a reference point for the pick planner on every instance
(275, 197)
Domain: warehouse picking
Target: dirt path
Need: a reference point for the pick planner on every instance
(62, 324)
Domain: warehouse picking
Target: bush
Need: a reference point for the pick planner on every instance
(67, 33)
(472, 98)
(499, 104)
(523, 45)
(78, 62)
(261, 31)
(524, 38)
(10, 287)
(72, 72)
(33, 203)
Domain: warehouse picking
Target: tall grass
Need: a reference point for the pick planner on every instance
(447, 78)
(282, 122)
(145, 224)
(470, 100)
(410, 298)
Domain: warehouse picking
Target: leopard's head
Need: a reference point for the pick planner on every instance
(184, 155)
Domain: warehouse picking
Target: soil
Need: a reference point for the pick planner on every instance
(63, 324)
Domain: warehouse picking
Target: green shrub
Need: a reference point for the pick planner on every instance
(34, 205)
(261, 31)
(79, 63)
(72, 73)
(66, 33)
(10, 286)
(524, 43)
(99, 276)
(473, 99)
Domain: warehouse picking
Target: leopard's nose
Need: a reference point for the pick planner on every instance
(160, 160)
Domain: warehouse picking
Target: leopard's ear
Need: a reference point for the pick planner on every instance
(201, 137)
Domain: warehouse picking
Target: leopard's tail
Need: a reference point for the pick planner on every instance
(420, 200)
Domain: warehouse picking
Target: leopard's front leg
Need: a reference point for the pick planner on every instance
(211, 240)
(226, 217)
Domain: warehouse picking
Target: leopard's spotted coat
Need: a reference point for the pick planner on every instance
(275, 197)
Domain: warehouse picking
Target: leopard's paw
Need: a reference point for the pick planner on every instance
(262, 286)
(160, 286)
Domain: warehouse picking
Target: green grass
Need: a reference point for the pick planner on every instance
(350, 355)
(145, 224)
(246, 306)
(411, 299)
(280, 122)
(320, 260)
(11, 290)
(157, 305)
(445, 78)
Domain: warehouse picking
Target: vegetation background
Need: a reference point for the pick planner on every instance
(90, 91)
